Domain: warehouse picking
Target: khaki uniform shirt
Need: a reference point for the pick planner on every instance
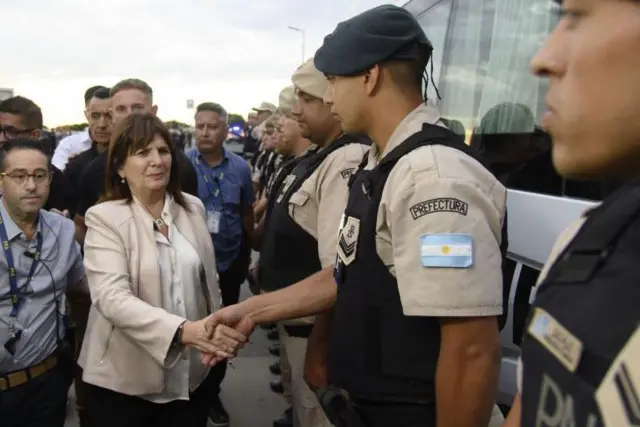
(319, 203)
(438, 190)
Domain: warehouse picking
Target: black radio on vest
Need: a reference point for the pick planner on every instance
(581, 350)
(377, 354)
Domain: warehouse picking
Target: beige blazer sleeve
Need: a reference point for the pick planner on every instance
(152, 328)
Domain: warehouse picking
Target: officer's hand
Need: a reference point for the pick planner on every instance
(64, 213)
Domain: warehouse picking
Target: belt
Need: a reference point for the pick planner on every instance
(16, 378)
(298, 331)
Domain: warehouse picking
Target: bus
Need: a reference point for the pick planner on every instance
(5, 93)
(482, 50)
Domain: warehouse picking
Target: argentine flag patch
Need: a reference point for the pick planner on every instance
(446, 250)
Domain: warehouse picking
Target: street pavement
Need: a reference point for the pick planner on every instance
(245, 390)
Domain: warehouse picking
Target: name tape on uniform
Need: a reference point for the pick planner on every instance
(346, 174)
(439, 205)
(446, 250)
(619, 393)
(556, 338)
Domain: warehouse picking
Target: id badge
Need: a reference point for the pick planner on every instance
(213, 221)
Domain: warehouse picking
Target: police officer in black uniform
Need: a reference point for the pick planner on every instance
(581, 350)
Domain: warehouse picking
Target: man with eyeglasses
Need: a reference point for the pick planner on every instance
(39, 262)
(20, 117)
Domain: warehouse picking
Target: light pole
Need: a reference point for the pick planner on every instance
(301, 31)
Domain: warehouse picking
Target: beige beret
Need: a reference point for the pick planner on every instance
(309, 80)
(286, 99)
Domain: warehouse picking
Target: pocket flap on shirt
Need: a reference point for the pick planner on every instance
(299, 198)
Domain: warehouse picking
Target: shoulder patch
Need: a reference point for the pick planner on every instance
(557, 339)
(439, 205)
(346, 173)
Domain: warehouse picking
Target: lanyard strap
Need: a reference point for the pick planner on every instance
(13, 281)
(209, 177)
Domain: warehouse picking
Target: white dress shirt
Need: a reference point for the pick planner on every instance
(70, 146)
(182, 277)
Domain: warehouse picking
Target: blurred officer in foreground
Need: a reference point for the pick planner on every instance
(581, 350)
(414, 329)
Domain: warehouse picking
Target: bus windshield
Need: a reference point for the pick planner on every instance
(482, 50)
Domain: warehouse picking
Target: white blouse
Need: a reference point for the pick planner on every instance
(182, 277)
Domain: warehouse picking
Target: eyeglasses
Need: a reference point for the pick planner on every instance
(40, 176)
(11, 132)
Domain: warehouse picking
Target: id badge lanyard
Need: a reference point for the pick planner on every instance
(14, 291)
(213, 215)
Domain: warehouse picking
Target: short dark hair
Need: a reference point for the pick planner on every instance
(22, 144)
(130, 135)
(90, 93)
(407, 74)
(102, 93)
(213, 108)
(28, 111)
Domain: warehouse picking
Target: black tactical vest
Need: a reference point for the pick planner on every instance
(376, 352)
(290, 254)
(280, 175)
(586, 311)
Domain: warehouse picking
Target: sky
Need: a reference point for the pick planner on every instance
(234, 52)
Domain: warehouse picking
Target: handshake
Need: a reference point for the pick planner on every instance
(219, 336)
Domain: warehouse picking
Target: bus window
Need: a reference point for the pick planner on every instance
(482, 50)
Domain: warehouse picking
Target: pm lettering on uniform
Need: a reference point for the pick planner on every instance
(439, 205)
(556, 408)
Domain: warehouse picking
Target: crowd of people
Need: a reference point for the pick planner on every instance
(381, 237)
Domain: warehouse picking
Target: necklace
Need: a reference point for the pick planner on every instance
(161, 221)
